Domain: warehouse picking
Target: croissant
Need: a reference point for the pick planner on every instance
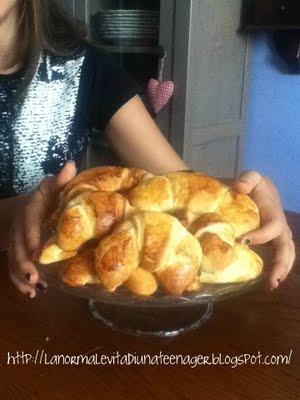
(217, 239)
(80, 271)
(104, 179)
(117, 264)
(87, 216)
(156, 242)
(246, 265)
(193, 194)
(145, 249)
(175, 231)
(142, 282)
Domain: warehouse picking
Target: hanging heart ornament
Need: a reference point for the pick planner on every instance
(159, 94)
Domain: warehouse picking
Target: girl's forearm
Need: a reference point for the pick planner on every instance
(138, 142)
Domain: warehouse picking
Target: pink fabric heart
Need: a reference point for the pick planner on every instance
(159, 94)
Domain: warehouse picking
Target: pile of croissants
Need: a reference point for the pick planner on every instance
(119, 226)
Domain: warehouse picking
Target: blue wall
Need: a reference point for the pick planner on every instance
(273, 131)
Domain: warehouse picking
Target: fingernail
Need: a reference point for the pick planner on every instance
(278, 283)
(246, 241)
(31, 295)
(28, 276)
(74, 164)
(41, 287)
(243, 180)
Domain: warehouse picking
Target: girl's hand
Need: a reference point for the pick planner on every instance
(25, 236)
(274, 227)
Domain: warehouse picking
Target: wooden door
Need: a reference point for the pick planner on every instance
(211, 63)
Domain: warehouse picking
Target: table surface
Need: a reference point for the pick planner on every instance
(60, 324)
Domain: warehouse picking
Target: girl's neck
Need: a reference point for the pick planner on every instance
(9, 44)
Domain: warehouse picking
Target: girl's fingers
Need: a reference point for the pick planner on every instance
(275, 227)
(22, 266)
(260, 188)
(269, 231)
(26, 271)
(40, 204)
(292, 257)
(35, 213)
(66, 174)
(248, 181)
(289, 232)
(53, 184)
(283, 260)
(23, 287)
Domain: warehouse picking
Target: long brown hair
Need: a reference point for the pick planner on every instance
(45, 26)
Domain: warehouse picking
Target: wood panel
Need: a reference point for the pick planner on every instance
(166, 40)
(181, 53)
(215, 86)
(216, 64)
(204, 157)
(211, 84)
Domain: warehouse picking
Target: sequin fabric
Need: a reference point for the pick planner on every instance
(39, 134)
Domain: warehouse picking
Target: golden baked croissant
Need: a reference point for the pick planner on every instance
(142, 282)
(80, 271)
(156, 242)
(103, 179)
(217, 239)
(246, 265)
(174, 231)
(194, 194)
(87, 216)
(83, 214)
(148, 245)
(115, 260)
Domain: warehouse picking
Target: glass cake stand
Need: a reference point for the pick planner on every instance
(159, 315)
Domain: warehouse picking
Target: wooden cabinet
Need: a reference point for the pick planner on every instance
(210, 70)
(208, 60)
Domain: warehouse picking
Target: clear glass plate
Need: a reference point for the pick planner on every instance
(158, 315)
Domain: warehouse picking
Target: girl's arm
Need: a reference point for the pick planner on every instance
(137, 140)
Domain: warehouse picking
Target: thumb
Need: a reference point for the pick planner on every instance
(247, 182)
(53, 184)
(65, 175)
(42, 203)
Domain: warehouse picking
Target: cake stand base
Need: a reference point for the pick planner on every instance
(151, 321)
